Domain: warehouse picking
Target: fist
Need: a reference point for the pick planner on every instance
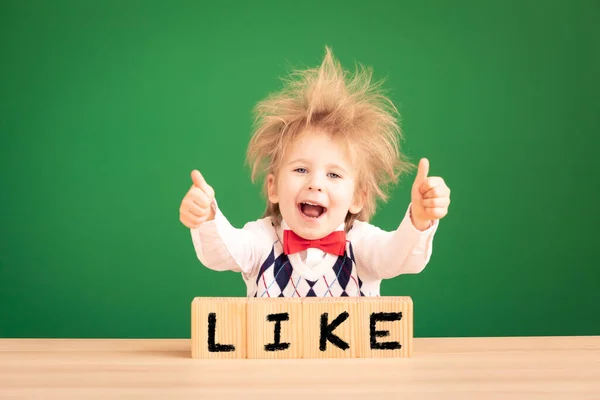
(430, 197)
(196, 205)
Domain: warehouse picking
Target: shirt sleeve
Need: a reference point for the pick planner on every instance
(222, 247)
(384, 255)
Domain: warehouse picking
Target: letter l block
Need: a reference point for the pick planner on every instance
(219, 327)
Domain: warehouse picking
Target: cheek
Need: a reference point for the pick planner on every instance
(342, 195)
(346, 195)
(288, 191)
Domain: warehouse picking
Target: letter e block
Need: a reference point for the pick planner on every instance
(219, 327)
(387, 327)
(275, 327)
(330, 327)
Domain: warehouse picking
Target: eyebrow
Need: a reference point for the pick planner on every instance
(305, 161)
(299, 160)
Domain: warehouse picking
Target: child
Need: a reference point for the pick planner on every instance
(327, 145)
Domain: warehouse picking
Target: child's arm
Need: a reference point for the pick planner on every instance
(406, 250)
(220, 246)
(383, 254)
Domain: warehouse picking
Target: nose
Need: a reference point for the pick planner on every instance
(315, 183)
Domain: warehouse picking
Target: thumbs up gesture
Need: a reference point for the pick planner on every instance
(430, 197)
(196, 205)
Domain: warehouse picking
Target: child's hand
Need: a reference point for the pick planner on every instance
(196, 205)
(430, 197)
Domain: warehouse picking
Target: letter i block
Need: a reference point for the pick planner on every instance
(275, 328)
(387, 327)
(331, 327)
(219, 327)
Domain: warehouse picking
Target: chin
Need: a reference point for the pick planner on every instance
(311, 234)
(307, 232)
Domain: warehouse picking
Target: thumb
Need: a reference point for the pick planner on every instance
(422, 171)
(201, 184)
(198, 179)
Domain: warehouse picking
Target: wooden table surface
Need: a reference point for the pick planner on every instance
(455, 368)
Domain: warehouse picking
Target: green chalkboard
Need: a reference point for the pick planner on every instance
(107, 106)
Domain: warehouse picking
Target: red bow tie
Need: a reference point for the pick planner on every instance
(334, 243)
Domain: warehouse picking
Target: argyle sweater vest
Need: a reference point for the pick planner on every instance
(278, 278)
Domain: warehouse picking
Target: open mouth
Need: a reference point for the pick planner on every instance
(311, 210)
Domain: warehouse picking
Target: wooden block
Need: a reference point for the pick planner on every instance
(386, 327)
(219, 327)
(275, 328)
(331, 327)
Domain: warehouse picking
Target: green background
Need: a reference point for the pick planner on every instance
(107, 106)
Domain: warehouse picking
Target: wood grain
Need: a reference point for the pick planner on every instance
(313, 327)
(448, 368)
(372, 325)
(220, 323)
(340, 316)
(261, 332)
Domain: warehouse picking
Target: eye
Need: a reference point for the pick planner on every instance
(333, 175)
(301, 170)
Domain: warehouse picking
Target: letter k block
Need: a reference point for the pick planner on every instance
(330, 327)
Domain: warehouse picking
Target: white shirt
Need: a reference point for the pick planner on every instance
(378, 254)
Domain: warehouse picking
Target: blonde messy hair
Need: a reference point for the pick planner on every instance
(351, 108)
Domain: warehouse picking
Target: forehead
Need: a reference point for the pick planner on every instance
(316, 145)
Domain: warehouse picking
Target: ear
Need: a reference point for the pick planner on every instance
(358, 202)
(272, 189)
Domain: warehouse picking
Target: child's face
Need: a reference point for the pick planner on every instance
(314, 186)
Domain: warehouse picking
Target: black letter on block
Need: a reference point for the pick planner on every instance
(212, 327)
(277, 345)
(382, 316)
(327, 331)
